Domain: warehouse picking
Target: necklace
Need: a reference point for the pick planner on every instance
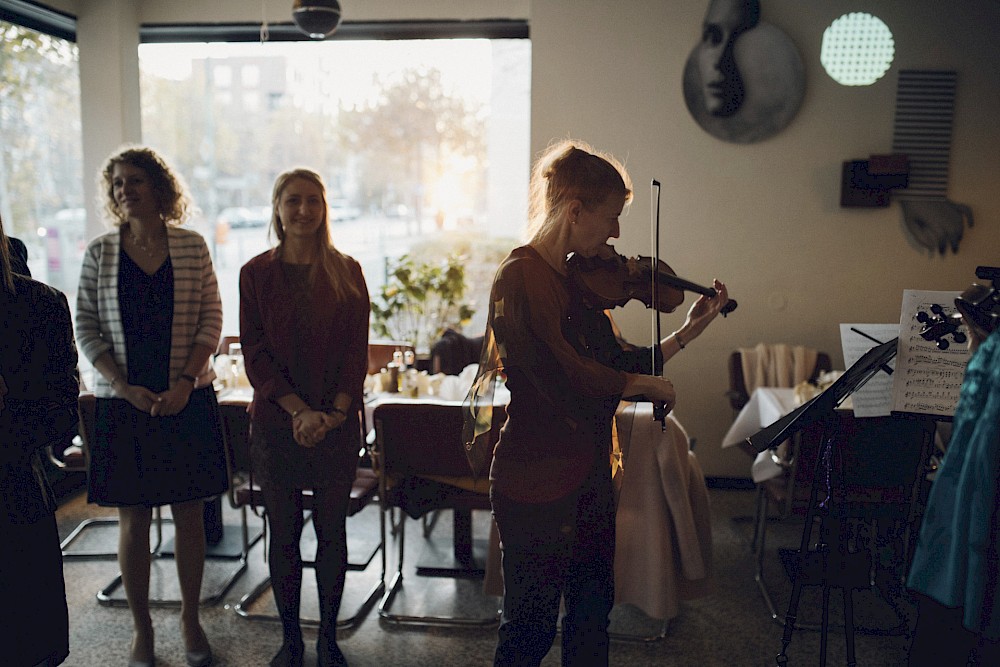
(149, 250)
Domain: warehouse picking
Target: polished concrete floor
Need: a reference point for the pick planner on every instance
(729, 627)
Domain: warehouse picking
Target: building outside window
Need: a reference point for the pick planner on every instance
(423, 145)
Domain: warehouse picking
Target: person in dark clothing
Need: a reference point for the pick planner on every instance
(304, 313)
(38, 408)
(566, 372)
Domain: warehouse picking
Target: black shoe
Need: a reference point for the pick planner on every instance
(329, 655)
(290, 655)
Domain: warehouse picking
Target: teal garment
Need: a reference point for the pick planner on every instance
(955, 561)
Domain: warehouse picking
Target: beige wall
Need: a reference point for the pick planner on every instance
(764, 217)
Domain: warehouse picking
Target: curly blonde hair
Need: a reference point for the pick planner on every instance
(173, 201)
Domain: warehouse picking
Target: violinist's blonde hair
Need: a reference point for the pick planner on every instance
(566, 171)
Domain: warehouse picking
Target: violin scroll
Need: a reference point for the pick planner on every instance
(938, 326)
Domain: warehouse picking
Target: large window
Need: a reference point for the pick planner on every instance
(423, 144)
(41, 180)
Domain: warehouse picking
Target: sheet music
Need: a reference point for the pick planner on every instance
(927, 379)
(874, 398)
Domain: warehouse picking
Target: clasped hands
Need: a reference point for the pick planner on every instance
(311, 426)
(163, 404)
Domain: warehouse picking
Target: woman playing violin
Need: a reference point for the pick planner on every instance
(566, 371)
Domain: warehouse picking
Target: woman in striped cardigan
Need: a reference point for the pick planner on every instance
(149, 318)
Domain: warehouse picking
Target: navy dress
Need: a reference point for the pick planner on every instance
(138, 459)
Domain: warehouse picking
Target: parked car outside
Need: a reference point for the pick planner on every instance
(341, 210)
(236, 217)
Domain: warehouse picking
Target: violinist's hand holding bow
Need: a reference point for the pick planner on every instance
(651, 387)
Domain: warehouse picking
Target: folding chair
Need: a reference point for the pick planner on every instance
(417, 445)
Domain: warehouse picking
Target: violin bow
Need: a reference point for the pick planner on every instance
(659, 408)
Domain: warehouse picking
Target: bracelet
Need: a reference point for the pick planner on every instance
(296, 413)
(190, 378)
(680, 341)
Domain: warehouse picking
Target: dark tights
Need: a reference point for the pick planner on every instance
(284, 509)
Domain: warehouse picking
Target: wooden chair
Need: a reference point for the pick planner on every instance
(419, 458)
(776, 491)
(363, 492)
(738, 394)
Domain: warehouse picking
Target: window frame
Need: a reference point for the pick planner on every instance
(157, 33)
(35, 17)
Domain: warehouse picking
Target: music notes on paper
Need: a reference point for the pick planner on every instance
(873, 398)
(928, 379)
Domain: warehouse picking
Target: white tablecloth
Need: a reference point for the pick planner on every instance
(766, 406)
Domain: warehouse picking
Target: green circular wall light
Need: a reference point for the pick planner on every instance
(857, 49)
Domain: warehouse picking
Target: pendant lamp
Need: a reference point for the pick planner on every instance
(316, 18)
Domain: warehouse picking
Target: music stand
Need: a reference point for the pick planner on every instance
(822, 405)
(831, 565)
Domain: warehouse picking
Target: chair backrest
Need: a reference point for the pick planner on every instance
(420, 438)
(236, 433)
(738, 394)
(380, 353)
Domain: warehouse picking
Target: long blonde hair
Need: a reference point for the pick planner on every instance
(566, 171)
(331, 265)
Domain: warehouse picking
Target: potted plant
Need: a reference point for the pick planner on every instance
(419, 300)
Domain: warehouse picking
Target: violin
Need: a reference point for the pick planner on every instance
(609, 280)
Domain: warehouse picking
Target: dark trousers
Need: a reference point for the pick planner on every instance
(563, 549)
(940, 638)
(33, 614)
